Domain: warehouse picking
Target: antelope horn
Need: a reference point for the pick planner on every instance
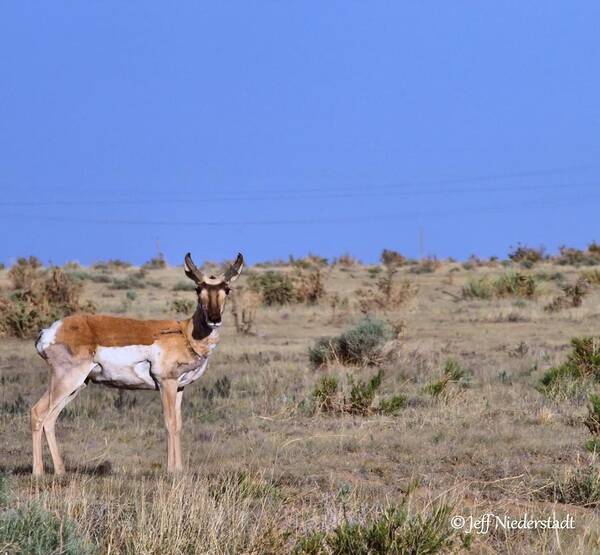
(234, 271)
(191, 270)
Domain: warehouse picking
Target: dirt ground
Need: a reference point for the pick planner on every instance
(497, 446)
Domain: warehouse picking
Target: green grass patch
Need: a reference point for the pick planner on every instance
(395, 530)
(358, 397)
(573, 378)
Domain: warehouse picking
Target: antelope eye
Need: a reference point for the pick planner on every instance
(227, 290)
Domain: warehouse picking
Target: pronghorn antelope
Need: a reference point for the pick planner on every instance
(165, 355)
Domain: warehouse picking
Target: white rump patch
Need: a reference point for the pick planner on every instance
(48, 337)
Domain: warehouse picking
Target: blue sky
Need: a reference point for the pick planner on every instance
(280, 128)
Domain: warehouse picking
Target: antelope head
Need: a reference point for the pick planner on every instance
(212, 290)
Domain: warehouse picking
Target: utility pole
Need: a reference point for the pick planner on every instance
(421, 242)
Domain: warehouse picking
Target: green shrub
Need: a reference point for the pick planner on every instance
(515, 284)
(322, 351)
(395, 530)
(453, 374)
(182, 306)
(99, 278)
(31, 530)
(593, 445)
(130, 282)
(478, 288)
(77, 274)
(362, 393)
(184, 286)
(593, 418)
(275, 288)
(564, 382)
(359, 397)
(325, 394)
(582, 366)
(392, 405)
(510, 284)
(359, 346)
(112, 264)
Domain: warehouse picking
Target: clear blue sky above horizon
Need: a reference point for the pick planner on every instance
(277, 128)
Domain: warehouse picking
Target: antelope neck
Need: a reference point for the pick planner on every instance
(200, 328)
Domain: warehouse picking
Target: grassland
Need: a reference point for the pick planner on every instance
(266, 470)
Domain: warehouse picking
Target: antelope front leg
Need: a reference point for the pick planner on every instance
(168, 395)
(49, 423)
(178, 426)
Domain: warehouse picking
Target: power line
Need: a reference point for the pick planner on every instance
(344, 189)
(371, 193)
(303, 221)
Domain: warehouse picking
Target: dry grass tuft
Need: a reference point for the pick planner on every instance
(572, 296)
(389, 294)
(25, 273)
(180, 515)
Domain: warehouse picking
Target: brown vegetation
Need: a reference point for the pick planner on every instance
(40, 298)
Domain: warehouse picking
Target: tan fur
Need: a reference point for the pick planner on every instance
(72, 359)
(85, 332)
(134, 354)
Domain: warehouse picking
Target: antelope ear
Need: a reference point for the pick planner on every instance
(191, 270)
(235, 269)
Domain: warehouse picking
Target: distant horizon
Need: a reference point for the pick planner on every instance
(290, 258)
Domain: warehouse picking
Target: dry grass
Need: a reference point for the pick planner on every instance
(265, 472)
